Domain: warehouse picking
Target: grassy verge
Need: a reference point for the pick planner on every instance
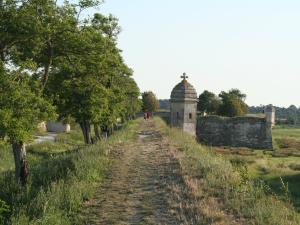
(230, 184)
(63, 175)
(280, 169)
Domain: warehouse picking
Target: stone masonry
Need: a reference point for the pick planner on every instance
(183, 107)
(251, 132)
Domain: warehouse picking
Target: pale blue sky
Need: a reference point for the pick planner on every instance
(253, 45)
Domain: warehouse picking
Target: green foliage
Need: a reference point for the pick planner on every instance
(93, 84)
(21, 109)
(62, 179)
(108, 24)
(208, 103)
(150, 102)
(88, 79)
(230, 104)
(233, 103)
(4, 209)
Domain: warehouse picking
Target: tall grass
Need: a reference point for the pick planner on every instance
(6, 158)
(244, 197)
(60, 181)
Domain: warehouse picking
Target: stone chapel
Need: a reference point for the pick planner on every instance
(183, 106)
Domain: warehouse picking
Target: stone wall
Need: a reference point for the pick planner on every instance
(54, 126)
(183, 115)
(251, 132)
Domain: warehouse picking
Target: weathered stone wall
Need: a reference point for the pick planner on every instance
(54, 126)
(252, 132)
(183, 115)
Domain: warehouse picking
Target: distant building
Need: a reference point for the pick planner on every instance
(54, 126)
(252, 131)
(42, 126)
(183, 106)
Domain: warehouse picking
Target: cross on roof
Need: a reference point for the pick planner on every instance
(184, 76)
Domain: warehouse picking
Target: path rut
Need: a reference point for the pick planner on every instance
(144, 186)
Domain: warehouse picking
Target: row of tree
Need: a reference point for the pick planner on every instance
(52, 62)
(289, 115)
(231, 103)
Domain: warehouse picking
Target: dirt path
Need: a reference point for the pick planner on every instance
(145, 186)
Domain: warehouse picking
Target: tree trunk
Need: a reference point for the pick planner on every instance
(86, 131)
(111, 130)
(21, 164)
(47, 66)
(105, 132)
(97, 132)
(2, 55)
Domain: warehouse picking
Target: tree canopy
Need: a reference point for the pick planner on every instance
(233, 103)
(54, 62)
(208, 103)
(150, 102)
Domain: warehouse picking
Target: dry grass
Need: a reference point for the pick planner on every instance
(231, 188)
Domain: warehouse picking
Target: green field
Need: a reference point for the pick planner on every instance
(279, 169)
(286, 132)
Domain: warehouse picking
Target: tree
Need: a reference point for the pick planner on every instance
(20, 111)
(208, 103)
(39, 33)
(233, 103)
(90, 85)
(48, 54)
(150, 102)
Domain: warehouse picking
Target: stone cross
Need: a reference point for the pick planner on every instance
(184, 76)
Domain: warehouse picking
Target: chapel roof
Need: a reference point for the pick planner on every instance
(184, 91)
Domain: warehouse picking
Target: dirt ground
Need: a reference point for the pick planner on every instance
(145, 186)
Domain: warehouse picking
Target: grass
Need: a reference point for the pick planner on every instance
(280, 170)
(6, 158)
(63, 175)
(286, 138)
(286, 132)
(66, 173)
(228, 180)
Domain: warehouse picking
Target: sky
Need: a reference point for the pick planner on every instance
(252, 45)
